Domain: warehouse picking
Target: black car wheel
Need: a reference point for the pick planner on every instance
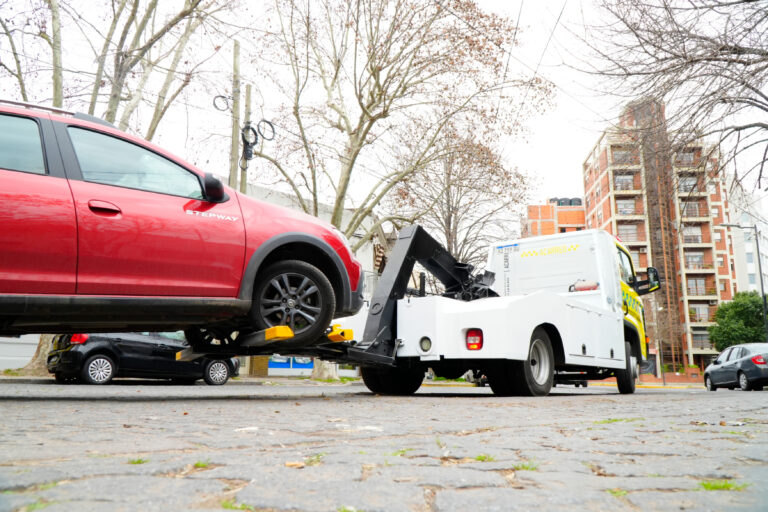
(98, 369)
(744, 382)
(296, 294)
(708, 383)
(216, 373)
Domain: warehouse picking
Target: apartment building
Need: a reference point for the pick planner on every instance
(746, 211)
(667, 206)
(558, 215)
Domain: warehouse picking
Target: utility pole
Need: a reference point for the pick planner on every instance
(234, 152)
(244, 163)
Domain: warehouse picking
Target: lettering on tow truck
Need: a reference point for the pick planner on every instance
(211, 215)
(558, 249)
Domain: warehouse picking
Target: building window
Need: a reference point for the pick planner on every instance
(562, 230)
(697, 286)
(721, 261)
(689, 209)
(694, 260)
(623, 156)
(718, 236)
(687, 157)
(687, 184)
(597, 192)
(752, 279)
(599, 218)
(635, 258)
(628, 232)
(750, 257)
(715, 211)
(692, 234)
(625, 206)
(722, 286)
(624, 182)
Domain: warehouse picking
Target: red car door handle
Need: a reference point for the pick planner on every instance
(103, 207)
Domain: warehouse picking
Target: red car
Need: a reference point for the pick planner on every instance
(104, 232)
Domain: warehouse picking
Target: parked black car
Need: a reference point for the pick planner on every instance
(744, 365)
(98, 358)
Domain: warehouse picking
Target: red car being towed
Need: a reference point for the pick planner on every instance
(105, 232)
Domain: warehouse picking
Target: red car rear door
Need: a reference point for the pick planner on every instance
(143, 227)
(38, 232)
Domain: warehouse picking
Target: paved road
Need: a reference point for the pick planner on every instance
(304, 446)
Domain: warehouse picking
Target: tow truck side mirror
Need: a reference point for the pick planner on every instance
(649, 285)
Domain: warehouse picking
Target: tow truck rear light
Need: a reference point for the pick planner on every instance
(758, 359)
(474, 339)
(78, 339)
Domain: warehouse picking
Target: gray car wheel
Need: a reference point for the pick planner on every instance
(708, 383)
(98, 369)
(216, 373)
(744, 382)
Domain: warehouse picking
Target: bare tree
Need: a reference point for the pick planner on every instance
(706, 59)
(466, 199)
(366, 78)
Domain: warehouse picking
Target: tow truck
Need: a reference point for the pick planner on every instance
(552, 308)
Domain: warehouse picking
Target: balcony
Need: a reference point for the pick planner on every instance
(702, 291)
(691, 191)
(694, 212)
(702, 345)
(692, 239)
(699, 266)
(702, 315)
(629, 211)
(632, 238)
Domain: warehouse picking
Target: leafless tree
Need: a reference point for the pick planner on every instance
(706, 59)
(466, 199)
(139, 49)
(369, 79)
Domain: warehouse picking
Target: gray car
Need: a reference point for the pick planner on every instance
(744, 365)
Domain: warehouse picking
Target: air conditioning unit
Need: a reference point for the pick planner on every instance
(642, 250)
(713, 303)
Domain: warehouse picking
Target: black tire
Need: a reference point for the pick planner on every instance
(744, 382)
(392, 381)
(625, 379)
(296, 294)
(98, 369)
(708, 383)
(216, 372)
(532, 377)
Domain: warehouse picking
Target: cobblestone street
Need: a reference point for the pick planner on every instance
(298, 445)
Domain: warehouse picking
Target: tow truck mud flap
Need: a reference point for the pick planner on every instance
(256, 339)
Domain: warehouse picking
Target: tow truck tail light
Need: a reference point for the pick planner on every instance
(474, 339)
(78, 339)
(758, 359)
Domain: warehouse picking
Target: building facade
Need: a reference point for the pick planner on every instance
(667, 206)
(558, 215)
(746, 211)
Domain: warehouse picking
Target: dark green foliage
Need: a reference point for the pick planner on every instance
(739, 321)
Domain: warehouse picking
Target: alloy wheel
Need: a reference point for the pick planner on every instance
(100, 370)
(291, 299)
(218, 372)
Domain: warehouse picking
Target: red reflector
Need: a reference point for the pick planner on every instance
(758, 359)
(474, 339)
(77, 339)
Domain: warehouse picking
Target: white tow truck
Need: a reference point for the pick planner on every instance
(551, 308)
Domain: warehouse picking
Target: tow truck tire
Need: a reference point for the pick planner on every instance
(392, 381)
(532, 377)
(625, 379)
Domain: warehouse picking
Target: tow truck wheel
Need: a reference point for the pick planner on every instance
(392, 381)
(625, 379)
(532, 377)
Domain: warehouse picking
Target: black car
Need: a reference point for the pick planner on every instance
(744, 365)
(98, 358)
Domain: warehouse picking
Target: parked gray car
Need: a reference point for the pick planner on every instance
(745, 366)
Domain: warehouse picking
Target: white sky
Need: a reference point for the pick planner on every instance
(558, 141)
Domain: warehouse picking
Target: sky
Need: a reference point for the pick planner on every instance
(558, 141)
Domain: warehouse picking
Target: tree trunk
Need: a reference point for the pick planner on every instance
(38, 366)
(58, 79)
(325, 370)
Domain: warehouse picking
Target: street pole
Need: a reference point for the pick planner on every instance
(762, 288)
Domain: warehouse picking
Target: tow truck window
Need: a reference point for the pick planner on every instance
(625, 267)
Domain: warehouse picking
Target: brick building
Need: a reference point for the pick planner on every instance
(666, 205)
(558, 215)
